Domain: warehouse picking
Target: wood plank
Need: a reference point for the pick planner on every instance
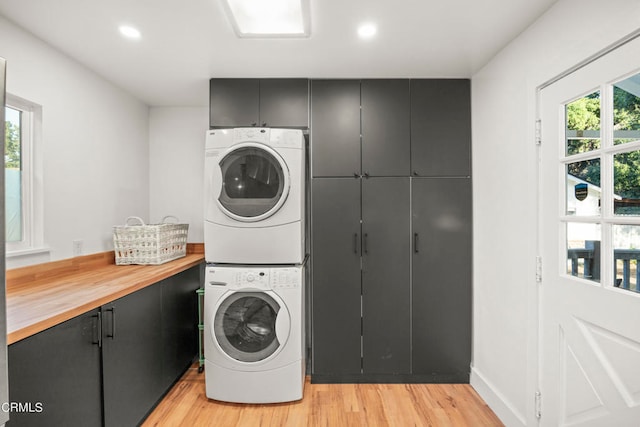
(435, 405)
(44, 295)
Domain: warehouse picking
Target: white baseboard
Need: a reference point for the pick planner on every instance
(496, 401)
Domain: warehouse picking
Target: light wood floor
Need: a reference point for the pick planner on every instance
(329, 405)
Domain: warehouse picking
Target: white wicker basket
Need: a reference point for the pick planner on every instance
(149, 244)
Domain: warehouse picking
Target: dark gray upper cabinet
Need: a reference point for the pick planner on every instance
(335, 122)
(441, 293)
(386, 132)
(234, 102)
(336, 277)
(58, 369)
(441, 127)
(386, 276)
(284, 103)
(259, 102)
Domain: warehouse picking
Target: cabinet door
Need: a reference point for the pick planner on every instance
(441, 127)
(284, 103)
(441, 308)
(57, 373)
(386, 127)
(386, 276)
(132, 356)
(335, 133)
(233, 102)
(179, 323)
(336, 276)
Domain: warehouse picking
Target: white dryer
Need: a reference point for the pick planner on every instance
(254, 196)
(254, 333)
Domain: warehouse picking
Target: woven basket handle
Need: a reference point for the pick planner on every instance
(137, 218)
(164, 220)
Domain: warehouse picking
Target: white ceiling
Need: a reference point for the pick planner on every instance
(186, 42)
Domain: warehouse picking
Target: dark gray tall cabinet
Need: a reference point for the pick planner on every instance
(391, 230)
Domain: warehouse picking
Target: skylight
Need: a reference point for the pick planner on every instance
(269, 18)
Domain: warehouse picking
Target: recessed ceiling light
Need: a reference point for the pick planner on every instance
(368, 30)
(129, 32)
(269, 18)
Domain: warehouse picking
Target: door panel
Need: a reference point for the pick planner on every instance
(441, 127)
(336, 276)
(386, 127)
(60, 369)
(284, 103)
(132, 356)
(233, 102)
(335, 117)
(590, 340)
(386, 283)
(441, 302)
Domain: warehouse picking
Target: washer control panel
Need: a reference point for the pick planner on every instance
(255, 278)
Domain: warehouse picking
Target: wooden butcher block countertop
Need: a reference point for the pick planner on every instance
(45, 295)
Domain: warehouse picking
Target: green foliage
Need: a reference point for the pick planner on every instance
(11, 146)
(584, 114)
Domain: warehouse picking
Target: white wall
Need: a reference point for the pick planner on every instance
(505, 318)
(95, 145)
(176, 155)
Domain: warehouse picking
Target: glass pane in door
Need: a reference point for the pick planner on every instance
(582, 119)
(626, 183)
(583, 250)
(626, 256)
(583, 188)
(626, 110)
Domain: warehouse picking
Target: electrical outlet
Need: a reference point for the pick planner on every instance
(77, 247)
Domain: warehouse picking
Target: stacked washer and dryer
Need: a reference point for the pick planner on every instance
(254, 235)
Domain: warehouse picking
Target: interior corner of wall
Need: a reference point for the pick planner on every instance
(499, 404)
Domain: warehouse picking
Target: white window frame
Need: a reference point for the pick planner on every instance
(32, 195)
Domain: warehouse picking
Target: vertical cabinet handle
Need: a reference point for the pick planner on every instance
(416, 240)
(99, 327)
(355, 243)
(112, 335)
(366, 246)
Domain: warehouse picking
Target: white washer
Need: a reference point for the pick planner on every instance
(254, 333)
(254, 196)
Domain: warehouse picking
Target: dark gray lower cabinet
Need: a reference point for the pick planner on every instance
(441, 299)
(55, 376)
(179, 332)
(391, 279)
(148, 340)
(386, 277)
(131, 356)
(336, 290)
(361, 279)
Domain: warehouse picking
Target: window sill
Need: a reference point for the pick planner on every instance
(26, 252)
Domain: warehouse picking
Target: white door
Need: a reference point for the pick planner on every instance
(590, 244)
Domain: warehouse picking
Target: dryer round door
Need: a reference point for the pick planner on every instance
(251, 326)
(255, 182)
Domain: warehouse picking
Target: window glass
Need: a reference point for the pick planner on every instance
(626, 255)
(626, 183)
(583, 188)
(582, 118)
(626, 110)
(583, 250)
(13, 174)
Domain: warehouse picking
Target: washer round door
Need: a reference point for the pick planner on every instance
(251, 326)
(255, 182)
